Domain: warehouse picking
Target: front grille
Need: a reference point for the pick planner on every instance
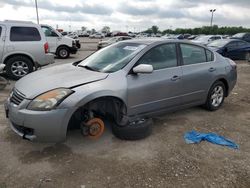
(16, 97)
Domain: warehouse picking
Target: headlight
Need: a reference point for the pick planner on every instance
(49, 100)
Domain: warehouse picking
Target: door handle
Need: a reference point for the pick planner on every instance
(175, 78)
(211, 69)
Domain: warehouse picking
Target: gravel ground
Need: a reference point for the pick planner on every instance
(161, 160)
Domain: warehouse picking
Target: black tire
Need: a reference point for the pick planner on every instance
(210, 104)
(63, 52)
(13, 61)
(134, 131)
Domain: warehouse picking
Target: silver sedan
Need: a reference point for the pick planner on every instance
(127, 83)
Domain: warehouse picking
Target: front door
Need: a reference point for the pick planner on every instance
(160, 89)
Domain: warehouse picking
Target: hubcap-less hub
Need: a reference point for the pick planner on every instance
(94, 128)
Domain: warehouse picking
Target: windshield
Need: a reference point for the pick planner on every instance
(218, 43)
(112, 58)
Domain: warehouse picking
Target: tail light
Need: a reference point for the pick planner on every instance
(46, 47)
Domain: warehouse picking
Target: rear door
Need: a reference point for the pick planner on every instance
(160, 89)
(2, 41)
(199, 70)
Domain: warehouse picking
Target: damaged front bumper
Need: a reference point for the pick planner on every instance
(41, 126)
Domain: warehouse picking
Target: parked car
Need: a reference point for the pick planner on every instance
(187, 35)
(127, 82)
(205, 39)
(61, 46)
(232, 48)
(64, 33)
(242, 36)
(130, 34)
(192, 37)
(113, 40)
(119, 34)
(72, 35)
(97, 36)
(23, 48)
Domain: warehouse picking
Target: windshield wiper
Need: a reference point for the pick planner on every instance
(88, 67)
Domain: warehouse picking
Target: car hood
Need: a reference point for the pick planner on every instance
(67, 76)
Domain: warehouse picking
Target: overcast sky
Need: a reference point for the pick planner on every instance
(133, 15)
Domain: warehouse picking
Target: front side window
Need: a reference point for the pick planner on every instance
(112, 58)
(160, 57)
(49, 32)
(24, 34)
(0, 31)
(192, 54)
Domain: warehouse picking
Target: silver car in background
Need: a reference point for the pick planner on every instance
(128, 83)
(23, 48)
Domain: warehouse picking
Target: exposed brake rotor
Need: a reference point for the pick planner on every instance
(94, 128)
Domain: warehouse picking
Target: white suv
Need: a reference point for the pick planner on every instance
(60, 45)
(23, 48)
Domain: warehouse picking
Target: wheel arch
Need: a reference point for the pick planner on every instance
(109, 104)
(225, 82)
(7, 57)
(62, 45)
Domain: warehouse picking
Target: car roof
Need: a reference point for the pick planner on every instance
(152, 41)
(17, 22)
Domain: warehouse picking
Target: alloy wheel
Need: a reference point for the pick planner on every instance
(217, 96)
(19, 68)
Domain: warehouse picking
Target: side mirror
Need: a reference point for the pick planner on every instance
(143, 68)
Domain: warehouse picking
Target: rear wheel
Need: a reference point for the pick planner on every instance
(18, 67)
(215, 96)
(134, 131)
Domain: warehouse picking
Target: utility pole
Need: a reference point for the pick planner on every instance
(37, 17)
(212, 11)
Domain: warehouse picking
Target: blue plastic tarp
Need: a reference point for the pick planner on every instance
(192, 137)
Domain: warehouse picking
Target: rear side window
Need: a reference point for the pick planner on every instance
(24, 34)
(0, 31)
(160, 57)
(210, 55)
(192, 54)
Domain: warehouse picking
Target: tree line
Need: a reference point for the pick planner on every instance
(214, 30)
